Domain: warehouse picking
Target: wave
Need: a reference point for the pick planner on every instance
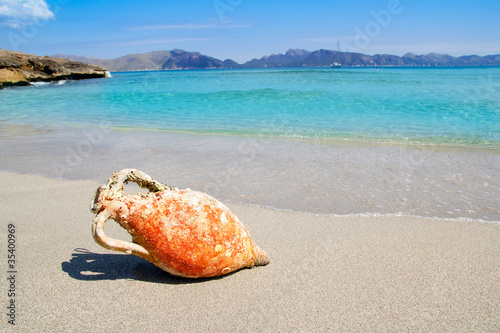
(47, 83)
(366, 214)
(39, 83)
(341, 138)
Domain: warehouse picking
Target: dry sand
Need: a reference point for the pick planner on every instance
(327, 273)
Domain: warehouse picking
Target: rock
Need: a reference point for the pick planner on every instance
(19, 69)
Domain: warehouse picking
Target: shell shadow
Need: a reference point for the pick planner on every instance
(89, 266)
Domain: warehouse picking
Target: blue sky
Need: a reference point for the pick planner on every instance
(246, 29)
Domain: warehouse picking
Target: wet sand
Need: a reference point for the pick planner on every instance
(311, 176)
(327, 273)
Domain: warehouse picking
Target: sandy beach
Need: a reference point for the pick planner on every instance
(327, 273)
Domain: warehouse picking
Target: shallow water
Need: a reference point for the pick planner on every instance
(420, 142)
(450, 106)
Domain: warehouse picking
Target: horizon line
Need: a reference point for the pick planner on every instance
(279, 53)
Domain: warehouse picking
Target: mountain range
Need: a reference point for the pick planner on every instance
(180, 59)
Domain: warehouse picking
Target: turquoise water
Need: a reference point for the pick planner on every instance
(449, 106)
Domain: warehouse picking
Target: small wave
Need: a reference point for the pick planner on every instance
(108, 74)
(45, 83)
(39, 83)
(363, 214)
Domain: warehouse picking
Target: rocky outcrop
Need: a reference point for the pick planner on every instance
(19, 69)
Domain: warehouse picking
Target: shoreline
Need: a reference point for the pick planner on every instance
(291, 175)
(349, 140)
(7, 173)
(351, 273)
(363, 215)
(355, 141)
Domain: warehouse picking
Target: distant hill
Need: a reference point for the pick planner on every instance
(179, 59)
(323, 58)
(292, 58)
(157, 60)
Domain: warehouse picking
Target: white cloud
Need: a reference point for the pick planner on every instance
(16, 13)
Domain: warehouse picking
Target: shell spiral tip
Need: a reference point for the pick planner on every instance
(262, 258)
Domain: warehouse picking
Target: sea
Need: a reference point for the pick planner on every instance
(317, 140)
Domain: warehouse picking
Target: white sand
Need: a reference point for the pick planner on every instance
(349, 274)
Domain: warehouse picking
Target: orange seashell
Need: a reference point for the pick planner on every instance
(184, 232)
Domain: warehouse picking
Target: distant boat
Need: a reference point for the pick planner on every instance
(337, 64)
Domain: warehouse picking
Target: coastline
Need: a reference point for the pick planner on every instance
(306, 176)
(350, 273)
(434, 144)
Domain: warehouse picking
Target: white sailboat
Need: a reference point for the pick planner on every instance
(339, 58)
